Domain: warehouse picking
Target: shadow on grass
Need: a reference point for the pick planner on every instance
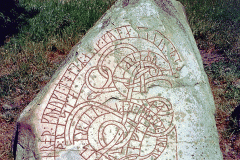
(12, 18)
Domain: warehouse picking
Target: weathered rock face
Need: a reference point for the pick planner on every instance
(133, 88)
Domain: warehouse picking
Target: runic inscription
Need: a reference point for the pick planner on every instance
(103, 106)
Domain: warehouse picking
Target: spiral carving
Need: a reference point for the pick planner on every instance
(103, 104)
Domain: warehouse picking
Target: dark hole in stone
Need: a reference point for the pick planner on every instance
(105, 23)
(125, 3)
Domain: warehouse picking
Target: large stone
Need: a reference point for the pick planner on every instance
(133, 88)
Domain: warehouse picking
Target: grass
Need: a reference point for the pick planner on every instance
(32, 55)
(63, 20)
(223, 74)
(214, 22)
(42, 32)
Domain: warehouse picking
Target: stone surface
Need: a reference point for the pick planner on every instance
(133, 88)
(8, 107)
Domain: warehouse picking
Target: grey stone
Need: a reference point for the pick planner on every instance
(133, 88)
(7, 115)
(8, 107)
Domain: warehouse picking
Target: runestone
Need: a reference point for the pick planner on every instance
(133, 88)
(133, 125)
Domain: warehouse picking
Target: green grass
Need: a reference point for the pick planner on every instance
(214, 22)
(57, 19)
(223, 74)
